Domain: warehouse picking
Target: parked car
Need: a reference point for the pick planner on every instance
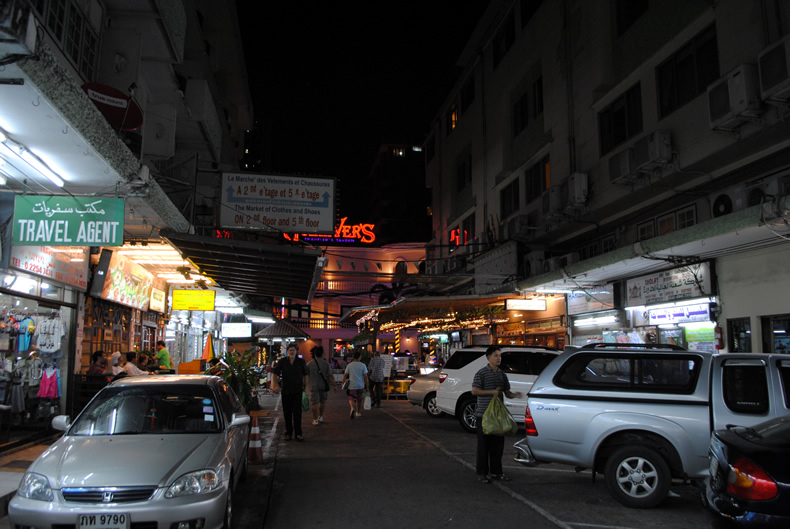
(643, 414)
(522, 364)
(159, 451)
(749, 477)
(422, 392)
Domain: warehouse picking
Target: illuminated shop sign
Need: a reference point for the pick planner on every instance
(684, 314)
(362, 233)
(193, 299)
(236, 330)
(692, 281)
(525, 304)
(68, 221)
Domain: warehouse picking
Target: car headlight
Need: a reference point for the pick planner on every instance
(193, 483)
(35, 487)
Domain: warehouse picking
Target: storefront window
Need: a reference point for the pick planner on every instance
(739, 335)
(776, 334)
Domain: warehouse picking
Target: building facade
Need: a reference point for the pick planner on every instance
(591, 145)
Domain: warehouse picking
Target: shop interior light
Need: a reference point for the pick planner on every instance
(601, 320)
(681, 303)
(698, 325)
(553, 291)
(260, 319)
(39, 165)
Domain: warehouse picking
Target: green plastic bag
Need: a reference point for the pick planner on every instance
(497, 420)
(305, 402)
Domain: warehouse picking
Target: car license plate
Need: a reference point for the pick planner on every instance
(103, 521)
(714, 468)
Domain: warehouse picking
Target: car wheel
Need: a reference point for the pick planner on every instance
(466, 414)
(227, 520)
(637, 476)
(430, 405)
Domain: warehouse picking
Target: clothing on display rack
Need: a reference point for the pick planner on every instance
(50, 384)
(17, 391)
(49, 334)
(25, 329)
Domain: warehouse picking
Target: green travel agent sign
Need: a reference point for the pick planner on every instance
(68, 221)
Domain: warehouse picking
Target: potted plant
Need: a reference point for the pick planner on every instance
(240, 374)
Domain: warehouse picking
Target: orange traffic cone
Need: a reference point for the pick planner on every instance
(255, 452)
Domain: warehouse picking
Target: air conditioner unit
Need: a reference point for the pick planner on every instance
(758, 192)
(729, 200)
(552, 202)
(569, 258)
(735, 98)
(577, 189)
(533, 263)
(550, 265)
(653, 150)
(621, 167)
(159, 131)
(774, 65)
(17, 29)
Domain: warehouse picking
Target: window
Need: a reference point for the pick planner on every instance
(452, 118)
(621, 120)
(528, 9)
(608, 244)
(509, 199)
(776, 333)
(591, 250)
(538, 179)
(784, 373)
(504, 39)
(462, 357)
(468, 228)
(666, 224)
(538, 361)
(644, 373)
(528, 107)
(72, 32)
(688, 72)
(686, 217)
(467, 94)
(646, 230)
(745, 387)
(463, 176)
(739, 335)
(627, 12)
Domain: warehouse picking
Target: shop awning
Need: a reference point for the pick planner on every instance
(282, 329)
(252, 268)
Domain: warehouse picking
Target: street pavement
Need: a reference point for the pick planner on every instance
(395, 467)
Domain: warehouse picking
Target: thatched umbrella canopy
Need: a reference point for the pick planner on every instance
(282, 329)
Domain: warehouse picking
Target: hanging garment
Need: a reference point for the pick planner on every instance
(17, 392)
(49, 387)
(26, 328)
(49, 335)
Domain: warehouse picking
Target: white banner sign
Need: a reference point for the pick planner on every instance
(593, 300)
(692, 281)
(287, 204)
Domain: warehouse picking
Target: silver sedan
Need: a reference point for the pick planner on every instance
(422, 392)
(166, 450)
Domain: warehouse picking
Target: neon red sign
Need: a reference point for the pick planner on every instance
(343, 233)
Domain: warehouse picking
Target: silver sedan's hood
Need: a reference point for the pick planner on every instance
(125, 460)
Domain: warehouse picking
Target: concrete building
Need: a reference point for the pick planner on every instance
(610, 145)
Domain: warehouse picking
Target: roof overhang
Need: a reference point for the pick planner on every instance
(752, 228)
(252, 268)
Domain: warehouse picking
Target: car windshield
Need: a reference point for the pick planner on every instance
(149, 409)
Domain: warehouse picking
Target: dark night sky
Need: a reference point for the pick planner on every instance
(337, 79)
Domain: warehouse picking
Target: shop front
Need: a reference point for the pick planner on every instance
(38, 335)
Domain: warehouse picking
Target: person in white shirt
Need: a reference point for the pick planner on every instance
(115, 360)
(131, 368)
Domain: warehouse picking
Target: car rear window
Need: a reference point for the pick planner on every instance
(643, 372)
(745, 386)
(460, 358)
(784, 372)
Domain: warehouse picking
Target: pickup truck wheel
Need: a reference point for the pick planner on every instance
(430, 405)
(466, 414)
(637, 476)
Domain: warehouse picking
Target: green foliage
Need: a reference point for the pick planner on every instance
(240, 375)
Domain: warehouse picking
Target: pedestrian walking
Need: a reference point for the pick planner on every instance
(294, 379)
(490, 382)
(319, 374)
(377, 375)
(357, 376)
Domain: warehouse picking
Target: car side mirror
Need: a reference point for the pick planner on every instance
(61, 422)
(240, 420)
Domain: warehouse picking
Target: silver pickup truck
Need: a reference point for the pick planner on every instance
(643, 414)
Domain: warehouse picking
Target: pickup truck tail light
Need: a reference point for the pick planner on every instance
(442, 377)
(529, 424)
(749, 482)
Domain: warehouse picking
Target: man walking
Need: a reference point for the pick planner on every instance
(294, 379)
(319, 373)
(376, 368)
(357, 376)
